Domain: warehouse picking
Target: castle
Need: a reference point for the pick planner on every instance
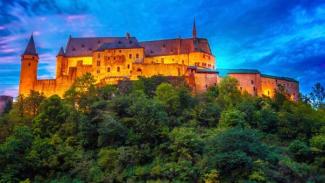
(112, 59)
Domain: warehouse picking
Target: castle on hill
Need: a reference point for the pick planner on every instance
(113, 59)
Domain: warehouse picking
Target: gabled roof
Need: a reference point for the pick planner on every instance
(86, 45)
(30, 48)
(175, 46)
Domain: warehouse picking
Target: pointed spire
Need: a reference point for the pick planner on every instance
(30, 49)
(194, 29)
(61, 52)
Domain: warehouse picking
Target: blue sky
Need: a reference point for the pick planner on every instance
(279, 37)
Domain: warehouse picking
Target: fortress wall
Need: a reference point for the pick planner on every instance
(249, 82)
(269, 85)
(149, 70)
(202, 81)
(202, 60)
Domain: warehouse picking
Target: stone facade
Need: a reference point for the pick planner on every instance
(113, 59)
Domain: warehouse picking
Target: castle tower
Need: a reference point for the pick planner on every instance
(194, 30)
(28, 74)
(59, 63)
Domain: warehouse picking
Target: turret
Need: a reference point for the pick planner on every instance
(28, 73)
(59, 63)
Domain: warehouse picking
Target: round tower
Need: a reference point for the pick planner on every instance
(28, 73)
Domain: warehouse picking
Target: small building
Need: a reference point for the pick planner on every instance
(5, 102)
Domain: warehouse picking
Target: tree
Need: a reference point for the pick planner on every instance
(53, 114)
(82, 93)
(229, 94)
(168, 96)
(33, 102)
(232, 118)
(111, 132)
(317, 96)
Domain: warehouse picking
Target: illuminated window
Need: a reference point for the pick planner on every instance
(130, 56)
(108, 69)
(118, 69)
(98, 63)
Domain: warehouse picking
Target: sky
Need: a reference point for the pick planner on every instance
(277, 37)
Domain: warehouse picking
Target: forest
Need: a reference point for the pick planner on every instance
(156, 130)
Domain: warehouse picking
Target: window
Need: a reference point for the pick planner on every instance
(268, 92)
(120, 51)
(254, 88)
(108, 58)
(182, 61)
(128, 66)
(108, 69)
(130, 56)
(29, 64)
(98, 56)
(98, 63)
(98, 71)
(162, 60)
(137, 55)
(241, 88)
(252, 82)
(118, 69)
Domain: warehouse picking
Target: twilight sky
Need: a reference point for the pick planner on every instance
(278, 37)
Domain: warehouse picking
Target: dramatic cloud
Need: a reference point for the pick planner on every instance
(277, 37)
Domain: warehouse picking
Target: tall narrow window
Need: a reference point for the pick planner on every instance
(130, 56)
(137, 55)
(252, 82)
(118, 69)
(98, 55)
(108, 69)
(128, 66)
(162, 60)
(98, 63)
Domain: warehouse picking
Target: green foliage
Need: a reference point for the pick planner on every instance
(232, 118)
(157, 130)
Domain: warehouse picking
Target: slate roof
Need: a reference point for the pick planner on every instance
(280, 78)
(121, 43)
(203, 70)
(86, 45)
(30, 49)
(225, 72)
(175, 46)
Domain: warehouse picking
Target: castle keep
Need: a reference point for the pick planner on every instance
(112, 59)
